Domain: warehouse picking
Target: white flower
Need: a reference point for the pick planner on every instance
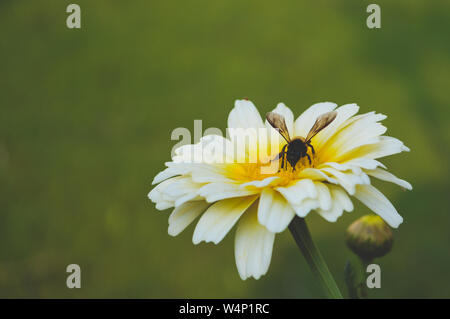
(230, 192)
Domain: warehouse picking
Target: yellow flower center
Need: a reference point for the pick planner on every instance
(264, 168)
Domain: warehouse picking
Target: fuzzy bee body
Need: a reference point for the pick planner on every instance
(297, 148)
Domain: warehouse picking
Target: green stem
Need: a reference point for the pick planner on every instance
(300, 232)
(363, 286)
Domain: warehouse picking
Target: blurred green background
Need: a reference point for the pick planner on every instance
(86, 117)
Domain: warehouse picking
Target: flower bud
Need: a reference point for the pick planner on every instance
(369, 237)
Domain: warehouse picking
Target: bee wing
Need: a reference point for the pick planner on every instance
(321, 122)
(277, 121)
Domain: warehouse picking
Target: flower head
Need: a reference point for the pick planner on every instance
(237, 179)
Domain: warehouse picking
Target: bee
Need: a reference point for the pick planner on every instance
(297, 148)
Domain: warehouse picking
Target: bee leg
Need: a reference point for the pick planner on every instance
(283, 150)
(312, 148)
(283, 155)
(279, 154)
(309, 159)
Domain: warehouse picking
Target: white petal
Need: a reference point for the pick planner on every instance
(340, 202)
(182, 186)
(219, 218)
(157, 196)
(209, 150)
(298, 191)
(306, 120)
(340, 196)
(365, 163)
(174, 192)
(274, 211)
(244, 115)
(344, 113)
(386, 146)
(262, 183)
(375, 116)
(342, 167)
(306, 206)
(316, 174)
(162, 205)
(332, 214)
(183, 215)
(217, 149)
(379, 204)
(253, 246)
(191, 153)
(186, 198)
(168, 173)
(323, 196)
(208, 174)
(388, 177)
(347, 180)
(364, 130)
(217, 191)
(245, 143)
